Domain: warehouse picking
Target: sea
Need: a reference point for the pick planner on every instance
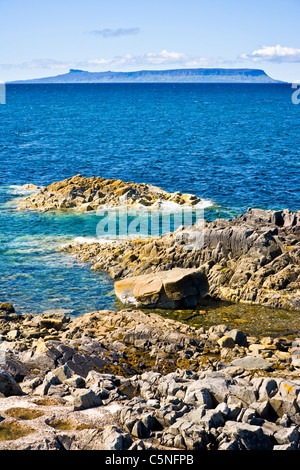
(234, 145)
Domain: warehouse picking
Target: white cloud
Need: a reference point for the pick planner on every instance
(50, 64)
(115, 33)
(274, 54)
(164, 57)
(158, 59)
(148, 59)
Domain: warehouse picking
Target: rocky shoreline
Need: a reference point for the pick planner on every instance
(253, 258)
(130, 380)
(133, 380)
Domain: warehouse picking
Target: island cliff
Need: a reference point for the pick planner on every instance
(197, 75)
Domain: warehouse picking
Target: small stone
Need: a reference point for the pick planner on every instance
(238, 336)
(226, 342)
(7, 307)
(287, 435)
(12, 334)
(252, 363)
(213, 419)
(283, 355)
(76, 381)
(86, 399)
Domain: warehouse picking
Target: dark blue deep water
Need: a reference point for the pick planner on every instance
(236, 146)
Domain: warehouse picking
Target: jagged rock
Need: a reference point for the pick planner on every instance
(268, 387)
(86, 398)
(295, 358)
(8, 385)
(10, 363)
(212, 419)
(116, 439)
(248, 437)
(288, 436)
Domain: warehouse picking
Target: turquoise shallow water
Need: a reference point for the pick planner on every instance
(35, 275)
(234, 145)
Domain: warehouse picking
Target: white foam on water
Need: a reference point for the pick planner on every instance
(40, 242)
(65, 311)
(170, 206)
(17, 190)
(91, 240)
(164, 207)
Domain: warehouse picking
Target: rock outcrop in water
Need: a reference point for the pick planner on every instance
(131, 380)
(253, 258)
(87, 194)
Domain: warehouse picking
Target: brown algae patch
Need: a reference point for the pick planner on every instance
(68, 425)
(48, 401)
(255, 320)
(24, 413)
(61, 425)
(12, 431)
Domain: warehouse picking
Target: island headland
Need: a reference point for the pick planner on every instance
(187, 75)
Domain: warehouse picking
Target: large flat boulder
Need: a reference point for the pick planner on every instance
(176, 288)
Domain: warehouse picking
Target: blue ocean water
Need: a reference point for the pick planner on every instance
(236, 146)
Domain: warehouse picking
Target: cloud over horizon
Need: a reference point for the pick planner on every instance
(149, 59)
(277, 54)
(164, 58)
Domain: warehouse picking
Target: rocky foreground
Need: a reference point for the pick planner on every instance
(253, 258)
(130, 380)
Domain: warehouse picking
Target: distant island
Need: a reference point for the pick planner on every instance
(199, 75)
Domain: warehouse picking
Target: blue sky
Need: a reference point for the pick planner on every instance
(42, 38)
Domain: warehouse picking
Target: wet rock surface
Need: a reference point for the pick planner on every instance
(133, 380)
